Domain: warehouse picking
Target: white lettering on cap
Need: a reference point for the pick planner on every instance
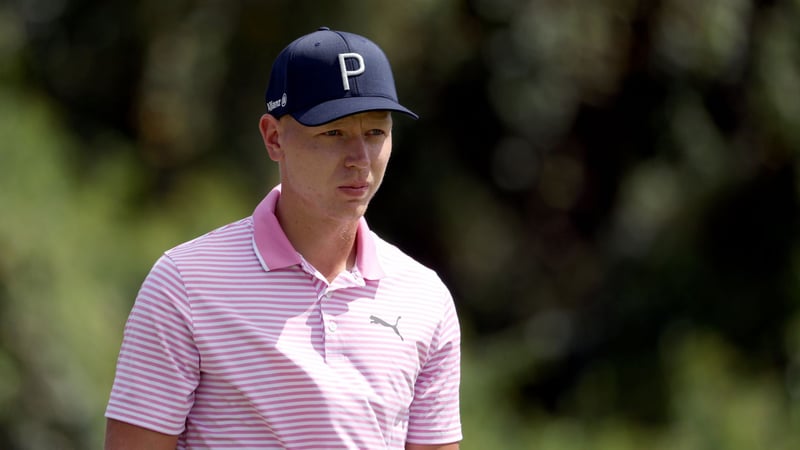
(348, 73)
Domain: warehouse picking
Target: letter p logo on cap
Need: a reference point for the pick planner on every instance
(348, 73)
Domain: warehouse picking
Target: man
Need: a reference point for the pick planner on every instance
(297, 327)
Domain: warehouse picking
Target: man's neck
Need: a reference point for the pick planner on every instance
(328, 245)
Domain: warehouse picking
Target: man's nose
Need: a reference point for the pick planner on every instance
(357, 152)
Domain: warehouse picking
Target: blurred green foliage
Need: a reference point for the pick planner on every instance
(610, 188)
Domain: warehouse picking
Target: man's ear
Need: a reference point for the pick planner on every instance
(270, 133)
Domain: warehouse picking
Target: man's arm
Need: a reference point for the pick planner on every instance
(453, 446)
(124, 436)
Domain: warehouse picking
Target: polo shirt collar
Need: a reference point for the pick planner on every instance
(276, 252)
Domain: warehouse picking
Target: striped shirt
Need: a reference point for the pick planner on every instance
(235, 341)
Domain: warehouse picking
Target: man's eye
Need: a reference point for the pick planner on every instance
(333, 133)
(376, 132)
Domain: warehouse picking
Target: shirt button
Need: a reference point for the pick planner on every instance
(332, 326)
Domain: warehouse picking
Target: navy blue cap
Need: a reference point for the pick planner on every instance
(326, 75)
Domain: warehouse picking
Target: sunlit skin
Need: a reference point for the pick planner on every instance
(329, 174)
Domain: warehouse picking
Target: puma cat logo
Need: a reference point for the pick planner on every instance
(378, 320)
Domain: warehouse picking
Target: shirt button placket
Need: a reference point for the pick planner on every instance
(324, 306)
(330, 328)
(330, 324)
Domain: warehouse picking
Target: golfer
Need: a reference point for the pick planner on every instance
(297, 327)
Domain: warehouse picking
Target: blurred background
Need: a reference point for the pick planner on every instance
(609, 187)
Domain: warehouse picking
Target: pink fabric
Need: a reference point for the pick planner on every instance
(235, 341)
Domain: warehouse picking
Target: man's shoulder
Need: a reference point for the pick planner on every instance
(230, 237)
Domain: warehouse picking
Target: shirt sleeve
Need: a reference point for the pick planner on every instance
(158, 365)
(434, 416)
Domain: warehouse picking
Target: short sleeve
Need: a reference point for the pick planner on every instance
(158, 365)
(434, 415)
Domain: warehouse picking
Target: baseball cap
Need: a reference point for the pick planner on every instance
(327, 74)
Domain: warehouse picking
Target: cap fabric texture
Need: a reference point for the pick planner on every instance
(326, 75)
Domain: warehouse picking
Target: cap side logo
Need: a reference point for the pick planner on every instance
(272, 104)
(348, 73)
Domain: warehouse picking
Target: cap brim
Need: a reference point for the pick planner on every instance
(336, 109)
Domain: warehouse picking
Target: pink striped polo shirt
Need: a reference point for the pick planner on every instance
(235, 341)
